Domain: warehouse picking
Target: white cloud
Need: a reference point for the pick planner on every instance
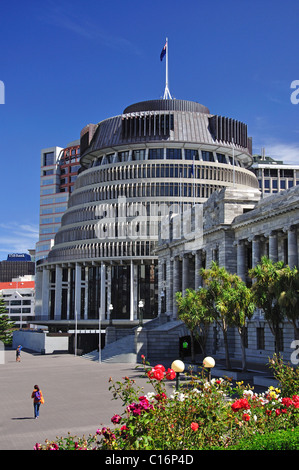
(17, 238)
(287, 152)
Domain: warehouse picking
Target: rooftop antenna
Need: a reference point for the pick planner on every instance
(167, 95)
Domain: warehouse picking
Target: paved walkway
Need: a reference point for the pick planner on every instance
(76, 391)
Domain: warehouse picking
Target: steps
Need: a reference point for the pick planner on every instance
(121, 351)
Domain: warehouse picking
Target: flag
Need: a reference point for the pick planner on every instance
(163, 52)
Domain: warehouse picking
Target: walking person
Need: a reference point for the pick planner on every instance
(38, 399)
(18, 353)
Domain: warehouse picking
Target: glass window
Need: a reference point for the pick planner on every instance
(154, 154)
(191, 154)
(48, 158)
(138, 154)
(207, 156)
(173, 154)
(221, 158)
(282, 184)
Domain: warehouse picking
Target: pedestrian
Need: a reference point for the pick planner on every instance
(18, 353)
(38, 399)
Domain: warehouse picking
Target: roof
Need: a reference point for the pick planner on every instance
(17, 285)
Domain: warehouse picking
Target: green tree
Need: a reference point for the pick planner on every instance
(240, 305)
(267, 289)
(7, 326)
(288, 299)
(193, 312)
(218, 282)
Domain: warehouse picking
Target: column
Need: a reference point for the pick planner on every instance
(169, 284)
(58, 292)
(86, 294)
(176, 284)
(241, 267)
(292, 247)
(77, 291)
(132, 300)
(38, 293)
(198, 266)
(103, 291)
(45, 293)
(256, 250)
(108, 270)
(185, 273)
(273, 247)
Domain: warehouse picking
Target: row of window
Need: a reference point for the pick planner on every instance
(152, 171)
(106, 193)
(273, 184)
(103, 250)
(165, 153)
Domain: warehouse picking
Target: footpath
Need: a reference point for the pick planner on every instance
(76, 392)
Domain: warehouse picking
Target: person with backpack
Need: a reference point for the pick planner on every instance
(38, 399)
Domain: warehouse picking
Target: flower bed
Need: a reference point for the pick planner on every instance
(199, 415)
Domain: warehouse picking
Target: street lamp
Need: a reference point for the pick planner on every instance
(140, 306)
(178, 367)
(209, 363)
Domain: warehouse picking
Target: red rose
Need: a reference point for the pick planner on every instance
(194, 426)
(246, 417)
(287, 401)
(241, 404)
(159, 366)
(158, 374)
(170, 374)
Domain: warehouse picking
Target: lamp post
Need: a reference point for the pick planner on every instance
(209, 363)
(140, 306)
(178, 367)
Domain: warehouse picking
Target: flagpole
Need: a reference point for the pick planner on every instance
(167, 94)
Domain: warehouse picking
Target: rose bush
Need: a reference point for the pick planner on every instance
(199, 415)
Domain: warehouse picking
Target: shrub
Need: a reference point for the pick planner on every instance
(199, 415)
(279, 440)
(287, 376)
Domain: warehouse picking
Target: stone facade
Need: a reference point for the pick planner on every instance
(235, 228)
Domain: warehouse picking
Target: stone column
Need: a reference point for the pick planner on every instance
(86, 294)
(103, 291)
(133, 293)
(45, 293)
(197, 268)
(38, 293)
(241, 263)
(77, 291)
(273, 247)
(58, 292)
(169, 285)
(292, 247)
(176, 284)
(185, 273)
(256, 251)
(108, 293)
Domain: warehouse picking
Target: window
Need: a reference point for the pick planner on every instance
(138, 154)
(207, 156)
(191, 154)
(221, 158)
(154, 154)
(48, 158)
(173, 154)
(260, 338)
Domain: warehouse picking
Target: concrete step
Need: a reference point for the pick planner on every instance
(122, 351)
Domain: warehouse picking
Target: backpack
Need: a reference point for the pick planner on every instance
(37, 395)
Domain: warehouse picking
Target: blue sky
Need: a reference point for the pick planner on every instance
(67, 63)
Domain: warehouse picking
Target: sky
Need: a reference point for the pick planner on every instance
(68, 63)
